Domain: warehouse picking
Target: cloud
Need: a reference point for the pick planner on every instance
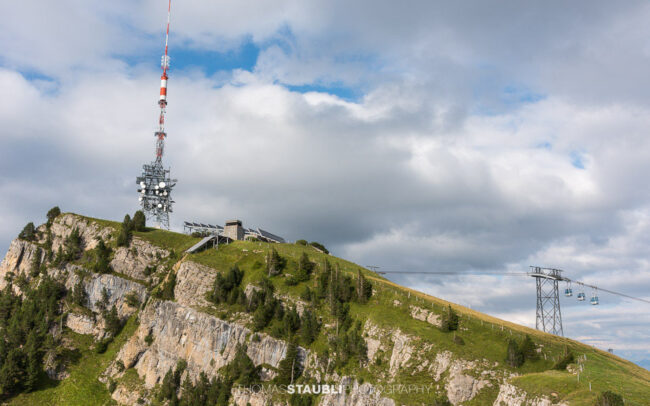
(460, 153)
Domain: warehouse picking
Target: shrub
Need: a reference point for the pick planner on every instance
(148, 339)
(102, 345)
(564, 360)
(167, 290)
(132, 299)
(112, 385)
(609, 398)
(528, 349)
(301, 242)
(226, 289)
(319, 246)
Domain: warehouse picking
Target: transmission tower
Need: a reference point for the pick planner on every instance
(155, 183)
(549, 316)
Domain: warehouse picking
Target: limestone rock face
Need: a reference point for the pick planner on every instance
(204, 341)
(193, 281)
(425, 315)
(81, 323)
(402, 351)
(462, 387)
(509, 395)
(18, 260)
(442, 362)
(372, 337)
(133, 260)
(359, 395)
(117, 289)
(124, 396)
(63, 225)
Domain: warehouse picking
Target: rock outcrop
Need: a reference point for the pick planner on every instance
(18, 260)
(204, 341)
(425, 315)
(82, 324)
(402, 351)
(63, 225)
(133, 260)
(510, 395)
(193, 281)
(355, 395)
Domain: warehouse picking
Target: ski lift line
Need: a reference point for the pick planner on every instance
(512, 274)
(607, 290)
(452, 273)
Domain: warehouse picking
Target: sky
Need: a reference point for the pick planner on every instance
(433, 136)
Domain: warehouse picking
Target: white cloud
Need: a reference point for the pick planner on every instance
(432, 168)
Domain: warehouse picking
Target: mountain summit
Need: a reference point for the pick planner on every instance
(97, 312)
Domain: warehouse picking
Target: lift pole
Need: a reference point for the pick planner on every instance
(549, 316)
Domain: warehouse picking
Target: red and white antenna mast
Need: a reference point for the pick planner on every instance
(155, 183)
(162, 102)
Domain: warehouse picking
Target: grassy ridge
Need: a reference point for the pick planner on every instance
(485, 337)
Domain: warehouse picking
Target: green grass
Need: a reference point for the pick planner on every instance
(82, 386)
(167, 239)
(485, 337)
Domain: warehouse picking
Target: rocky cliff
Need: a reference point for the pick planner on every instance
(405, 359)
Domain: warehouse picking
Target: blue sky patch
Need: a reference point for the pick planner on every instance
(344, 92)
(577, 159)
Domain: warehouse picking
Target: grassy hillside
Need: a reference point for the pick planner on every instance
(479, 337)
(485, 337)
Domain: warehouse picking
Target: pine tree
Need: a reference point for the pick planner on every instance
(241, 370)
(34, 363)
(274, 263)
(102, 257)
(514, 357)
(112, 322)
(528, 349)
(79, 294)
(73, 246)
(309, 327)
(52, 214)
(28, 233)
(139, 221)
(35, 265)
(289, 368)
(291, 321)
(449, 320)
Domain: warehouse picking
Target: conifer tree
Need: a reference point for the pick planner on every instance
(139, 221)
(52, 214)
